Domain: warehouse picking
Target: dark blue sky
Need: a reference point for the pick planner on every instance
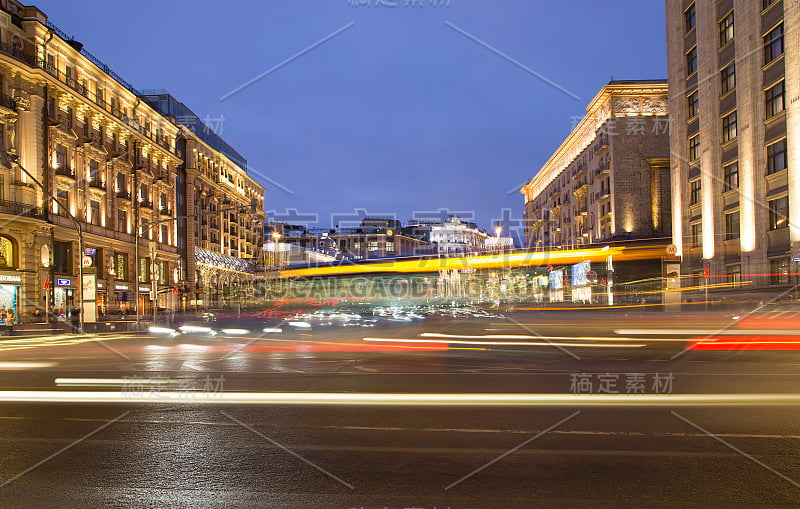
(400, 112)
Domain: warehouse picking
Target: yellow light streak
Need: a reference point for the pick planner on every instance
(398, 399)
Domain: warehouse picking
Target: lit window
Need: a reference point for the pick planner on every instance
(778, 213)
(729, 127)
(773, 44)
(694, 147)
(732, 225)
(726, 30)
(728, 76)
(731, 176)
(694, 104)
(6, 252)
(776, 101)
(776, 157)
(694, 192)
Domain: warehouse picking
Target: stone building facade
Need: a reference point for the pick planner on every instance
(734, 76)
(609, 180)
(83, 151)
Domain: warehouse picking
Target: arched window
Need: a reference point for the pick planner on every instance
(7, 253)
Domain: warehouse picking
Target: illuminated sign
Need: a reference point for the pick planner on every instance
(557, 279)
(121, 287)
(90, 251)
(580, 272)
(63, 282)
(8, 278)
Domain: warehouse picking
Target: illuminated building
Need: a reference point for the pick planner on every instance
(111, 159)
(609, 180)
(452, 236)
(372, 238)
(734, 78)
(220, 247)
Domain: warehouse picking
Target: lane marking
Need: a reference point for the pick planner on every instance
(506, 343)
(706, 332)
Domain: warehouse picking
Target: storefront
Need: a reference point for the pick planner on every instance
(102, 299)
(123, 298)
(9, 292)
(65, 295)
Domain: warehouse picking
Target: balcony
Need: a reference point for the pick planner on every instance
(125, 195)
(166, 211)
(65, 171)
(145, 204)
(21, 209)
(603, 169)
(97, 184)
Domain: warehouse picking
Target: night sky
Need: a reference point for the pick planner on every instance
(400, 112)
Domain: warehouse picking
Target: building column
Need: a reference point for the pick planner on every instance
(791, 25)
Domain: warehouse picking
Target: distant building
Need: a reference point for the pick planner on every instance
(452, 236)
(373, 238)
(609, 180)
(734, 77)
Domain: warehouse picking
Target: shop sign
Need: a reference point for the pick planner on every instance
(89, 287)
(10, 278)
(144, 289)
(90, 251)
(121, 288)
(63, 282)
(101, 286)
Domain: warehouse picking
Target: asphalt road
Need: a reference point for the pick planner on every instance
(648, 447)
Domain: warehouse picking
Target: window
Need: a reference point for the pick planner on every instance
(85, 127)
(143, 192)
(121, 266)
(730, 176)
(121, 184)
(163, 272)
(63, 202)
(776, 157)
(728, 76)
(778, 213)
(779, 271)
(696, 232)
(94, 171)
(694, 104)
(734, 274)
(691, 61)
(61, 156)
(691, 17)
(726, 30)
(773, 44)
(390, 247)
(694, 147)
(164, 234)
(68, 118)
(62, 257)
(163, 201)
(122, 221)
(372, 245)
(694, 192)
(732, 225)
(767, 3)
(144, 270)
(776, 101)
(729, 127)
(94, 212)
(6, 253)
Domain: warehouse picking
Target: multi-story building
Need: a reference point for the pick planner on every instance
(82, 151)
(224, 237)
(373, 238)
(609, 180)
(453, 236)
(734, 139)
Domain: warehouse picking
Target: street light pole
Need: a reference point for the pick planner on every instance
(15, 159)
